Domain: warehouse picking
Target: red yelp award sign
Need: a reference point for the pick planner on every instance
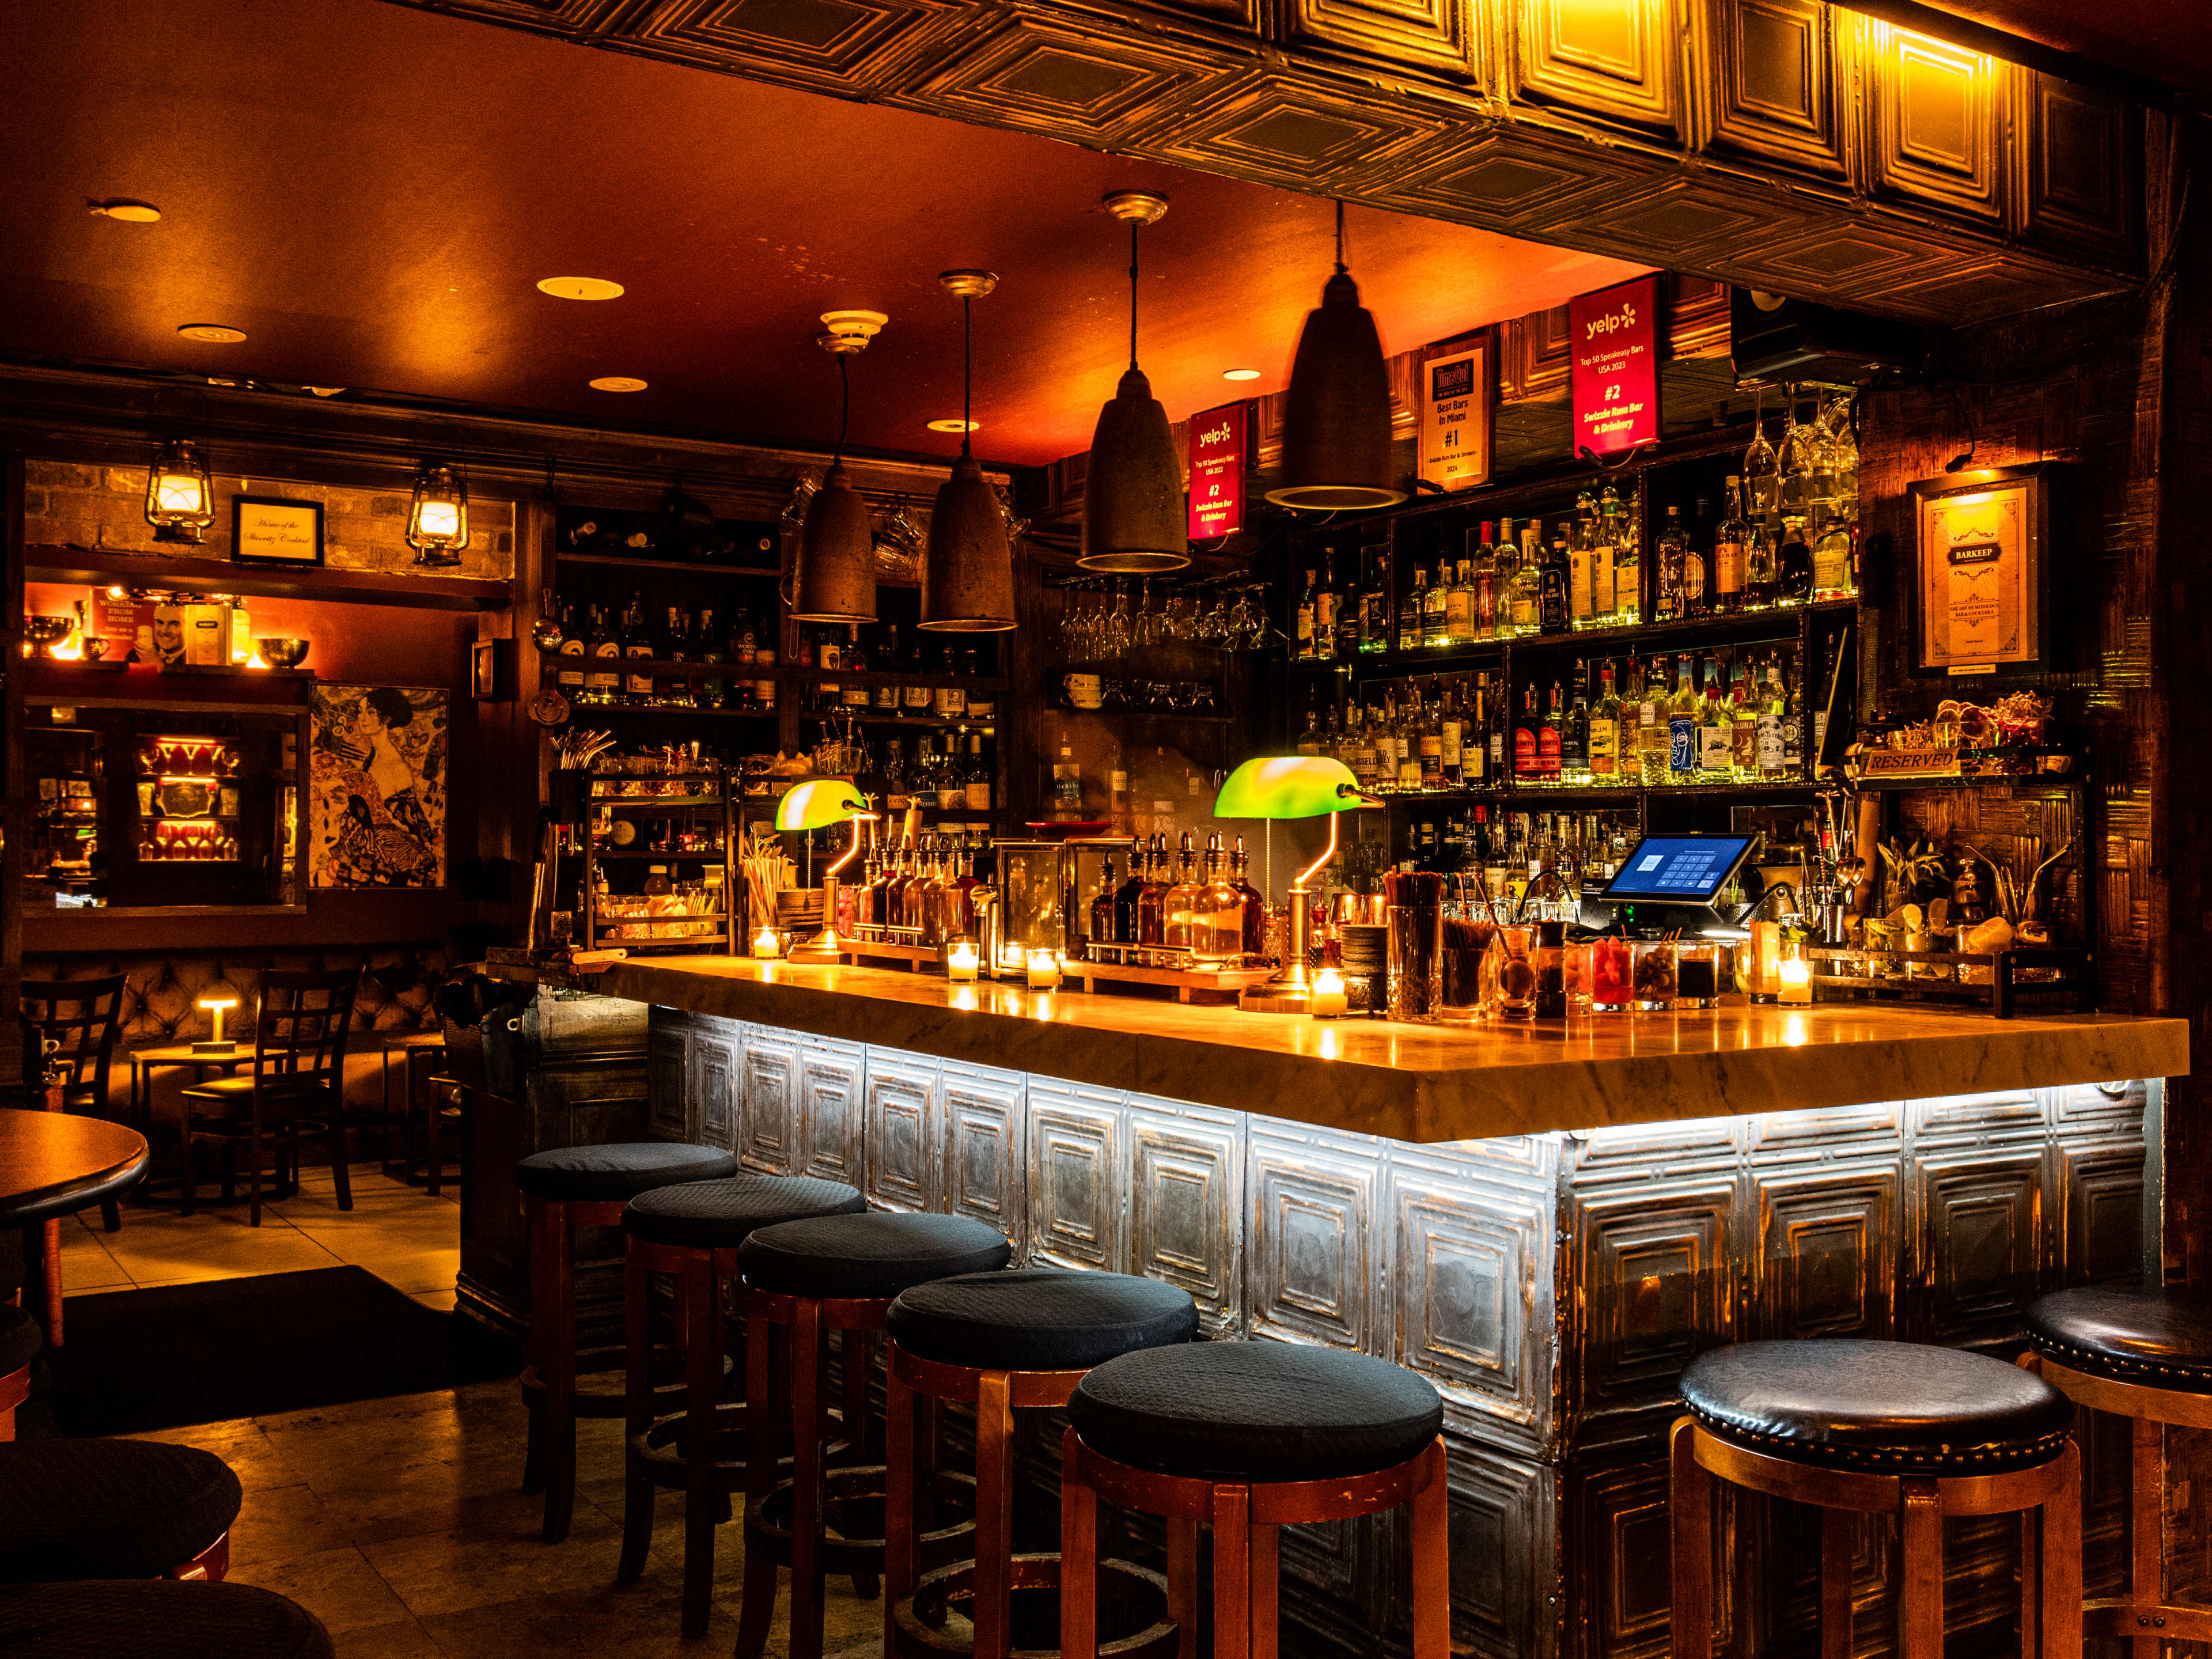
(1615, 334)
(1216, 472)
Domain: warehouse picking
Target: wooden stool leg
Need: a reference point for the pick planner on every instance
(1265, 1569)
(637, 1416)
(2061, 1560)
(901, 1556)
(1836, 1538)
(853, 1350)
(1232, 1572)
(1691, 1505)
(1079, 1560)
(1920, 1589)
(702, 1372)
(437, 1150)
(1182, 1586)
(51, 1263)
(1431, 1559)
(557, 1436)
(809, 1349)
(994, 1516)
(763, 1416)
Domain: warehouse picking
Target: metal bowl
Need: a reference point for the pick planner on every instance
(43, 633)
(281, 652)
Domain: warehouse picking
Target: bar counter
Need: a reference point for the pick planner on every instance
(1426, 1084)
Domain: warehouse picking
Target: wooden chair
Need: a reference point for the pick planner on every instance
(19, 1347)
(80, 1017)
(296, 1087)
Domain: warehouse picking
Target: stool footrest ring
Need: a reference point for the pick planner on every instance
(919, 1621)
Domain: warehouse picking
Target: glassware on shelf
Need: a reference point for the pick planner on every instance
(1762, 477)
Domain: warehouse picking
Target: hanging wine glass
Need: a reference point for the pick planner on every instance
(1760, 479)
(1115, 639)
(1793, 460)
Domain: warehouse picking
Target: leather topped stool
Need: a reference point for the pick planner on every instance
(149, 1620)
(2146, 1355)
(810, 1278)
(1896, 1428)
(1000, 1342)
(562, 1189)
(1252, 1437)
(113, 1508)
(20, 1343)
(692, 1233)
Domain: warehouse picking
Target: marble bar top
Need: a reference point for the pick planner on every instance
(1426, 1083)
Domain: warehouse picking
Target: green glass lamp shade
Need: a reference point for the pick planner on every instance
(818, 804)
(1289, 787)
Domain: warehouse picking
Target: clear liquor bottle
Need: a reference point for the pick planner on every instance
(1408, 743)
(1429, 740)
(1673, 546)
(1326, 604)
(1216, 910)
(1451, 729)
(1435, 605)
(1412, 610)
(1618, 532)
(1682, 711)
(1459, 607)
(1302, 633)
(1716, 727)
(1605, 732)
(1575, 731)
(1773, 751)
(1834, 576)
(1652, 730)
(1181, 898)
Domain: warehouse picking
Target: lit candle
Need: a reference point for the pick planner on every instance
(766, 944)
(1043, 971)
(1762, 976)
(961, 962)
(1797, 981)
(1328, 998)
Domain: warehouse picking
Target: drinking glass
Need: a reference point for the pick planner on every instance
(1696, 975)
(1760, 479)
(1517, 973)
(1653, 965)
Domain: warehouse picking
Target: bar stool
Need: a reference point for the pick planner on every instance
(116, 1620)
(562, 1189)
(1253, 1437)
(692, 1233)
(840, 1272)
(2145, 1355)
(19, 1346)
(113, 1508)
(1001, 1342)
(1895, 1428)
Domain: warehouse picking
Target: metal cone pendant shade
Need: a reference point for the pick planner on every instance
(836, 556)
(1132, 517)
(968, 588)
(1336, 419)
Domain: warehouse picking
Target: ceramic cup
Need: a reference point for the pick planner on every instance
(1083, 691)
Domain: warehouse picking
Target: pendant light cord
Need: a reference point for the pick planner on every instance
(844, 406)
(1340, 266)
(967, 372)
(1132, 292)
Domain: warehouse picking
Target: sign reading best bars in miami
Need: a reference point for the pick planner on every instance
(1216, 472)
(1615, 334)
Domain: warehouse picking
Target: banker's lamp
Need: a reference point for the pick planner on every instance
(817, 805)
(1291, 786)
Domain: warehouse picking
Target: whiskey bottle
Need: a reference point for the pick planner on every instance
(1605, 732)
(1301, 637)
(1728, 554)
(1435, 631)
(1551, 583)
(636, 646)
(1673, 546)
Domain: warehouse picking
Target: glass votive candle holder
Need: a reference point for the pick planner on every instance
(1517, 973)
(1578, 967)
(962, 960)
(1611, 976)
(1550, 959)
(1762, 962)
(1696, 975)
(1043, 971)
(1653, 968)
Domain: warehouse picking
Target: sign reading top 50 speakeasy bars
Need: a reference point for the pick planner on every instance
(1615, 337)
(1216, 472)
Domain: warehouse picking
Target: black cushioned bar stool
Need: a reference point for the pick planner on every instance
(563, 1189)
(150, 1619)
(692, 1233)
(1894, 1428)
(1252, 1437)
(19, 1346)
(810, 1278)
(113, 1508)
(2145, 1355)
(1000, 1342)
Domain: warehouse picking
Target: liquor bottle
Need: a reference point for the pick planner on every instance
(1716, 727)
(1682, 712)
(1152, 908)
(1451, 738)
(871, 879)
(883, 696)
(1575, 731)
(1729, 545)
(1103, 910)
(830, 652)
(1494, 721)
(1067, 787)
(1793, 563)
(1344, 645)
(1125, 900)
(1525, 739)
(1505, 566)
(1309, 738)
(675, 692)
(1181, 899)
(570, 680)
(1550, 739)
(915, 698)
(960, 889)
(1833, 577)
(1256, 903)
(1773, 745)
(1407, 744)
(856, 699)
(1525, 592)
(897, 871)
(924, 897)
(1619, 533)
(636, 643)
(1301, 637)
(1697, 562)
(1216, 910)
(1793, 729)
(1375, 617)
(1117, 783)
(1431, 739)
(949, 701)
(1605, 732)
(1482, 592)
(1474, 741)
(1435, 609)
(1459, 607)
(1411, 612)
(1743, 737)
(1552, 587)
(976, 788)
(1652, 730)
(1365, 759)
(1673, 546)
(1327, 603)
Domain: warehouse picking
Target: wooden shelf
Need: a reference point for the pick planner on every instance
(1777, 622)
(684, 567)
(1625, 793)
(96, 568)
(781, 673)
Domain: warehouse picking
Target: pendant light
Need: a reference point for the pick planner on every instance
(968, 586)
(1133, 508)
(836, 545)
(179, 494)
(1336, 419)
(438, 516)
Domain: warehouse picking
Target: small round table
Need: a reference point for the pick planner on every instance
(52, 1164)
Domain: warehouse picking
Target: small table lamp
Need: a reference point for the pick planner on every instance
(1291, 786)
(817, 805)
(216, 1006)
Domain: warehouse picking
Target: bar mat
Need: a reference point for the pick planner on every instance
(184, 1354)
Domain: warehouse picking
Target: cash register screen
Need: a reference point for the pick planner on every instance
(1678, 869)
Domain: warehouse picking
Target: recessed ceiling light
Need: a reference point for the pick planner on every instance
(1240, 373)
(956, 424)
(580, 288)
(135, 213)
(617, 383)
(214, 333)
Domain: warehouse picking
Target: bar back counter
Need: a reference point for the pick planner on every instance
(1547, 1227)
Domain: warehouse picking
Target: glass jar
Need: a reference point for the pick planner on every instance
(1653, 969)
(1416, 971)
(1611, 976)
(1516, 972)
(1696, 975)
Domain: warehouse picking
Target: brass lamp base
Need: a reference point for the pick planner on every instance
(823, 947)
(226, 1046)
(1291, 991)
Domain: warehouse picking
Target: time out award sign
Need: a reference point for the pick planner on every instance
(1216, 472)
(1457, 386)
(1615, 337)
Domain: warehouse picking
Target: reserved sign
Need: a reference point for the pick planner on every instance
(1615, 334)
(1909, 763)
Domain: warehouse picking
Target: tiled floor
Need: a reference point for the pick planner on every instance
(400, 1233)
(402, 1524)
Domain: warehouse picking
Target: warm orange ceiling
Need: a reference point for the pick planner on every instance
(371, 192)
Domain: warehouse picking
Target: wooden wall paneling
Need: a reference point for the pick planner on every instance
(1936, 136)
(1618, 62)
(670, 1113)
(717, 1062)
(2082, 151)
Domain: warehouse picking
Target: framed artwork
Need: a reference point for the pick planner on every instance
(272, 530)
(1458, 390)
(376, 786)
(1981, 571)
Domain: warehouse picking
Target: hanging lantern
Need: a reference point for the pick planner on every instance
(1336, 418)
(438, 517)
(180, 494)
(968, 585)
(1132, 506)
(837, 573)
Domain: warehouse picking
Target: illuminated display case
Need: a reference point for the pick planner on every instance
(144, 807)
